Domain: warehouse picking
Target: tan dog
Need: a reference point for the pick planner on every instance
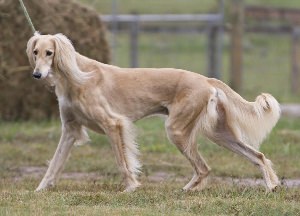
(108, 99)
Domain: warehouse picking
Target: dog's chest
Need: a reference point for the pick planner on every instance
(80, 112)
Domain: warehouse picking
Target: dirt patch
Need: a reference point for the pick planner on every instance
(38, 172)
(252, 182)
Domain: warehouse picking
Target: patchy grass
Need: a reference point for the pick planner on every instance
(88, 198)
(33, 144)
(24, 144)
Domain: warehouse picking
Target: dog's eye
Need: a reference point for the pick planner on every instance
(35, 52)
(48, 53)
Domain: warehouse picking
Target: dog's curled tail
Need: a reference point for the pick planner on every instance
(249, 122)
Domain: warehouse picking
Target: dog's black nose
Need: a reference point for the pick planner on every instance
(37, 75)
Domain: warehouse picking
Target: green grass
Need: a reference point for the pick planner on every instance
(87, 198)
(176, 6)
(31, 144)
(267, 66)
(155, 6)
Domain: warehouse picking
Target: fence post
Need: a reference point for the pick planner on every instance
(215, 45)
(213, 67)
(134, 33)
(236, 35)
(295, 60)
(114, 10)
(220, 39)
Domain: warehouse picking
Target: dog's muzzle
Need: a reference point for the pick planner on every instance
(37, 75)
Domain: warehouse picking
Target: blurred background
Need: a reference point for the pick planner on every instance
(252, 45)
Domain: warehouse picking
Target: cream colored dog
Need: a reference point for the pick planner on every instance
(108, 99)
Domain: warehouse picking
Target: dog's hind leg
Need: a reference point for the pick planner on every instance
(256, 157)
(181, 130)
(201, 169)
(224, 137)
(121, 135)
(188, 148)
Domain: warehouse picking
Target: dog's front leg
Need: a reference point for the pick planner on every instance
(120, 133)
(56, 164)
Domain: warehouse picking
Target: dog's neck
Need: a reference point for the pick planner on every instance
(62, 87)
(66, 87)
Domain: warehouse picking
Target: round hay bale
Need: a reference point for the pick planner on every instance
(21, 97)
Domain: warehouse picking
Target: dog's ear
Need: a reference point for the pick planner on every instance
(64, 54)
(29, 50)
(64, 60)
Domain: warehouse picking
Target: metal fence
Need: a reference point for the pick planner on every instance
(194, 27)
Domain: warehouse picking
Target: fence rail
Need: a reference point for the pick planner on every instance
(212, 24)
(291, 15)
(162, 18)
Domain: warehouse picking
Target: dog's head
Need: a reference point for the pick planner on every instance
(49, 53)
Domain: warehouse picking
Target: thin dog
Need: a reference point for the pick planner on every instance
(108, 99)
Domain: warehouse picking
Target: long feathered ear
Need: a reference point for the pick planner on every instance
(29, 50)
(64, 60)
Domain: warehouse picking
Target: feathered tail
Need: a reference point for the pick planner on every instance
(250, 122)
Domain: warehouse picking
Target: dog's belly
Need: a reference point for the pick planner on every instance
(137, 109)
(92, 125)
(147, 113)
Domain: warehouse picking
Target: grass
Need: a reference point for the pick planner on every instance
(32, 144)
(27, 144)
(155, 6)
(75, 198)
(176, 6)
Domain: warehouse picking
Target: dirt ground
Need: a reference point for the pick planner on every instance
(38, 172)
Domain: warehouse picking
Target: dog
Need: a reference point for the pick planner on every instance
(109, 99)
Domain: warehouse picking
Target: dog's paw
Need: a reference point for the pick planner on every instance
(275, 188)
(132, 187)
(43, 186)
(129, 189)
(39, 189)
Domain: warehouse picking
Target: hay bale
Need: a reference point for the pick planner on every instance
(21, 97)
